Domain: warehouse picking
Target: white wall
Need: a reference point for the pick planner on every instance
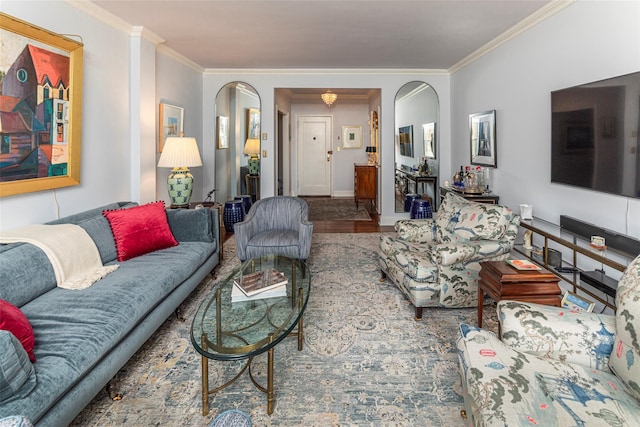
(121, 81)
(587, 41)
(181, 85)
(105, 172)
(389, 82)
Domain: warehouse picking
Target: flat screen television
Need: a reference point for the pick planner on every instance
(594, 135)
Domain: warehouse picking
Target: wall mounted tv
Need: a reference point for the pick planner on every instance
(594, 135)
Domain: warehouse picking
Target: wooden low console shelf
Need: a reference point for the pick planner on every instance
(575, 252)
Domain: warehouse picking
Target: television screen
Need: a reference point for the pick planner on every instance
(594, 135)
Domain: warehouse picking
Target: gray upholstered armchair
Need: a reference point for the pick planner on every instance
(275, 226)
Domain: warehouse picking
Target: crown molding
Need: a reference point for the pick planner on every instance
(167, 51)
(322, 71)
(527, 23)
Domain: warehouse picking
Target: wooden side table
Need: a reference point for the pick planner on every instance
(501, 281)
(253, 186)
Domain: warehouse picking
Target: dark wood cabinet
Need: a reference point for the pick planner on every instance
(365, 183)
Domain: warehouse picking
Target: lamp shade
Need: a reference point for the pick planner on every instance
(371, 149)
(252, 147)
(180, 151)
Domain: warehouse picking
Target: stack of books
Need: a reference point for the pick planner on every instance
(259, 285)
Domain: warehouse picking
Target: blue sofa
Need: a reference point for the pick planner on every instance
(84, 337)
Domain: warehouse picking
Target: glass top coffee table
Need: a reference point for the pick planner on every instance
(225, 330)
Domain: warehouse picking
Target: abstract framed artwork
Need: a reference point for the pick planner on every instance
(351, 136)
(222, 132)
(482, 137)
(429, 138)
(171, 123)
(41, 84)
(253, 123)
(405, 140)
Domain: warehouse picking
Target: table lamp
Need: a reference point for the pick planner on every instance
(180, 153)
(252, 148)
(371, 154)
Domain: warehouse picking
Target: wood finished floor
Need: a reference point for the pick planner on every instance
(372, 226)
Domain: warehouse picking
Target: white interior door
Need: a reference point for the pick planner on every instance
(314, 156)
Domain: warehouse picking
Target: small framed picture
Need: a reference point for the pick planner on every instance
(352, 136)
(575, 302)
(482, 137)
(171, 123)
(429, 138)
(222, 129)
(253, 123)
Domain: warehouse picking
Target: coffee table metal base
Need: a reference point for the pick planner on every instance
(206, 392)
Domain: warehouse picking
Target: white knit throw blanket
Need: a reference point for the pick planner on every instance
(71, 251)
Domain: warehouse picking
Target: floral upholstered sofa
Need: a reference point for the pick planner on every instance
(436, 262)
(556, 367)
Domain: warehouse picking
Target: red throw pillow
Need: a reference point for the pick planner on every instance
(14, 321)
(140, 230)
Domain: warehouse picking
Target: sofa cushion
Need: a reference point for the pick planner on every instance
(140, 230)
(413, 258)
(460, 220)
(625, 359)
(99, 229)
(14, 321)
(191, 225)
(17, 375)
(25, 273)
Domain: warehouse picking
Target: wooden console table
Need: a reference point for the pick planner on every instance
(365, 183)
(417, 179)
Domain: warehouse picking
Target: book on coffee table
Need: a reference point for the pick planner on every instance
(238, 296)
(261, 281)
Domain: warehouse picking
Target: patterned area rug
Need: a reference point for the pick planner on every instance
(336, 209)
(365, 360)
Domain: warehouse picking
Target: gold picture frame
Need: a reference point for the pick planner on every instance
(171, 123)
(45, 154)
(351, 136)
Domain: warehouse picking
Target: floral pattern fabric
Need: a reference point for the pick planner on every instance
(625, 359)
(435, 268)
(555, 366)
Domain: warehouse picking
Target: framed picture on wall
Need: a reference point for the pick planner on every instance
(222, 132)
(171, 123)
(429, 137)
(351, 136)
(253, 123)
(405, 140)
(42, 95)
(482, 138)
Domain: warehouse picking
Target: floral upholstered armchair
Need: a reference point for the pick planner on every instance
(554, 366)
(436, 262)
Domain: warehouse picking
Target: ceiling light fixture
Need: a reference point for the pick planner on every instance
(329, 98)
